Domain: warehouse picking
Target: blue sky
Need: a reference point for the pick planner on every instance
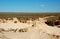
(29, 5)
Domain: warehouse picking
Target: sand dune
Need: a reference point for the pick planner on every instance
(40, 30)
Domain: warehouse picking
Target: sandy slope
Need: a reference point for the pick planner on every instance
(40, 31)
(26, 35)
(7, 26)
(49, 29)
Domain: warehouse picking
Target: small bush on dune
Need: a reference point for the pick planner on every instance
(1, 29)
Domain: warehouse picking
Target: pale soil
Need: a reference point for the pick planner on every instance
(40, 31)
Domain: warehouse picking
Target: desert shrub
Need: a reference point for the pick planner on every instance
(15, 21)
(50, 23)
(32, 25)
(23, 30)
(57, 36)
(1, 29)
(14, 30)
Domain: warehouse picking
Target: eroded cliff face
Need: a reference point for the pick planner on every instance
(31, 29)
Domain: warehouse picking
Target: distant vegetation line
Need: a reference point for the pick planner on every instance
(12, 14)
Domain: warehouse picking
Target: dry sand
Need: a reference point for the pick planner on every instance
(40, 31)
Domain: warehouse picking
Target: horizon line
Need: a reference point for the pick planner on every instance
(29, 12)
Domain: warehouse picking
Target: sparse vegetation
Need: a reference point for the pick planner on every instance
(15, 21)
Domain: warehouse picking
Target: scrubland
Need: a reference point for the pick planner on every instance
(29, 26)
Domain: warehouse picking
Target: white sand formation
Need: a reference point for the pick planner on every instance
(46, 31)
(11, 25)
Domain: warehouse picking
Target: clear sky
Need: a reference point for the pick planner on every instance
(29, 5)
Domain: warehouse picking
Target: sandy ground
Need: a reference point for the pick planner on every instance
(25, 35)
(41, 31)
(6, 26)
